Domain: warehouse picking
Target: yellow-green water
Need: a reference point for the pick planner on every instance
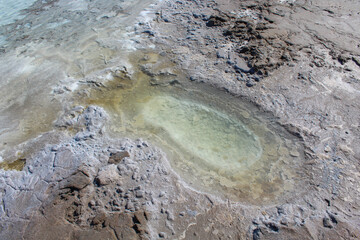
(215, 142)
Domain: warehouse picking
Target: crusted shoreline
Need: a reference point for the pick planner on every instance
(294, 59)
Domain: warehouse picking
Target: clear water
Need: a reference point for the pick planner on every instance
(220, 142)
(215, 142)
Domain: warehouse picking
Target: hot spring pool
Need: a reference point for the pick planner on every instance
(216, 143)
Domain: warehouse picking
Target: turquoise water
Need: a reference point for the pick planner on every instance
(10, 10)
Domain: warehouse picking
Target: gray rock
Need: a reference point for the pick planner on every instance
(221, 53)
(139, 194)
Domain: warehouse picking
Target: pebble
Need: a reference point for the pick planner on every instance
(294, 153)
(327, 148)
(250, 83)
(139, 194)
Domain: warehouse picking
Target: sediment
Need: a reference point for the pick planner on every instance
(298, 61)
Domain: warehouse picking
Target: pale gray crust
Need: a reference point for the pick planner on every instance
(302, 66)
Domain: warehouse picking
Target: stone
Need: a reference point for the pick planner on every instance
(294, 153)
(242, 65)
(65, 158)
(342, 59)
(250, 83)
(327, 149)
(77, 181)
(115, 158)
(108, 174)
(356, 60)
(327, 222)
(129, 205)
(99, 218)
(221, 53)
(139, 194)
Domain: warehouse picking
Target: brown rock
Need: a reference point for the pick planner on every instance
(77, 181)
(115, 158)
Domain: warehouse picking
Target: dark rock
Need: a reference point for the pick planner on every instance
(250, 83)
(342, 59)
(356, 60)
(332, 218)
(151, 33)
(257, 234)
(272, 226)
(215, 21)
(327, 222)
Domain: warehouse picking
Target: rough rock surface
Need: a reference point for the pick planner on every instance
(298, 60)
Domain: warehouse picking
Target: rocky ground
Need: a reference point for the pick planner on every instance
(298, 60)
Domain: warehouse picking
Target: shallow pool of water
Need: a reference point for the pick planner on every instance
(221, 143)
(215, 142)
(65, 50)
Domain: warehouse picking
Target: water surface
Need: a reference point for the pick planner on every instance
(217, 143)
